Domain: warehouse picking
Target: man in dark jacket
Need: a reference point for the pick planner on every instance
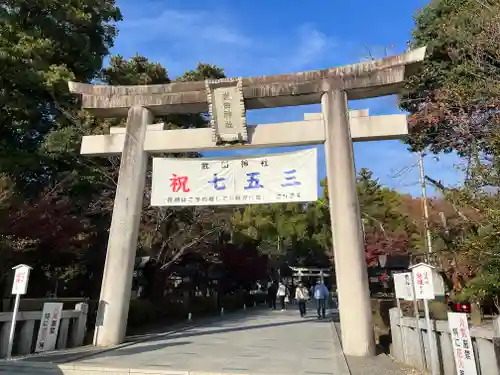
(271, 295)
(321, 295)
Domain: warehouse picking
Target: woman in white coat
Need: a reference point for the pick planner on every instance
(281, 294)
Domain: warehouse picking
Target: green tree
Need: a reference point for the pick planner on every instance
(42, 45)
(302, 232)
(485, 286)
(476, 243)
(88, 186)
(276, 227)
(380, 206)
(388, 230)
(453, 99)
(454, 103)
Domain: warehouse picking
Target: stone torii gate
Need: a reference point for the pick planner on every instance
(334, 128)
(311, 272)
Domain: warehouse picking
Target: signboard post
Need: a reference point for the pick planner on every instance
(404, 288)
(428, 284)
(496, 339)
(19, 287)
(49, 327)
(400, 291)
(462, 344)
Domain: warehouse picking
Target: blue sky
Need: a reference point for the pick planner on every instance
(271, 37)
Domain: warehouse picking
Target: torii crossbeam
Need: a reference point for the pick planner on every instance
(311, 131)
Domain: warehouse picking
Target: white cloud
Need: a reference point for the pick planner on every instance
(311, 44)
(169, 25)
(180, 38)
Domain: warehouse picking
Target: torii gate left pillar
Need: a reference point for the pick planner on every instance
(331, 87)
(116, 289)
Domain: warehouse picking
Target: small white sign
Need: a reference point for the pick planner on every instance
(398, 285)
(403, 286)
(21, 277)
(408, 287)
(462, 344)
(49, 327)
(423, 281)
(278, 178)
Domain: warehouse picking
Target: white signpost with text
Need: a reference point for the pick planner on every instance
(49, 326)
(19, 287)
(404, 289)
(402, 292)
(463, 351)
(428, 284)
(403, 286)
(280, 178)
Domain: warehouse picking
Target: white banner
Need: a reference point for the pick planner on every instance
(49, 327)
(279, 178)
(463, 351)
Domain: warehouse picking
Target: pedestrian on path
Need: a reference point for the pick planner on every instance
(302, 295)
(271, 295)
(320, 295)
(282, 292)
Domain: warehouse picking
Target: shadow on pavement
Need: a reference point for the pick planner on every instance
(142, 349)
(168, 330)
(75, 354)
(180, 331)
(187, 334)
(62, 356)
(18, 368)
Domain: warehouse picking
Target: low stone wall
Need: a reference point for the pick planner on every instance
(71, 330)
(405, 346)
(35, 304)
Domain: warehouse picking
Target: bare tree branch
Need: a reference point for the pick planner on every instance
(444, 189)
(183, 249)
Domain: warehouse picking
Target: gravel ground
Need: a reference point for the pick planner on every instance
(379, 365)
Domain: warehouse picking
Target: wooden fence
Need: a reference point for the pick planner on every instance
(406, 348)
(71, 330)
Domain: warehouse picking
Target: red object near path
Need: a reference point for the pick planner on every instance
(462, 307)
(384, 277)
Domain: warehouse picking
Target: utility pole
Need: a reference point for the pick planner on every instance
(425, 205)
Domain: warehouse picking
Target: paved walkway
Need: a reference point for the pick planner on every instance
(255, 342)
(270, 342)
(258, 342)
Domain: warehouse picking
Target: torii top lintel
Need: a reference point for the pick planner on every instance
(362, 80)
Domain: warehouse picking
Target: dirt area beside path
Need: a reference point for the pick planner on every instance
(381, 364)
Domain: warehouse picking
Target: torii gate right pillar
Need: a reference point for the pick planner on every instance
(348, 243)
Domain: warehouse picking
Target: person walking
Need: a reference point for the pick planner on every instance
(271, 295)
(301, 296)
(281, 293)
(290, 293)
(320, 295)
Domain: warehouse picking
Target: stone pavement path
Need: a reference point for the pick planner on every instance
(268, 342)
(255, 342)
